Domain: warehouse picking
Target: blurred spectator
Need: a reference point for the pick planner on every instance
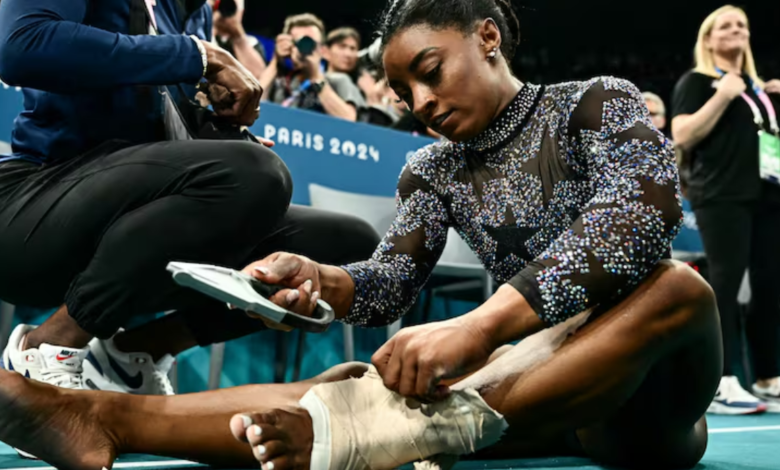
(341, 50)
(719, 110)
(383, 108)
(657, 110)
(295, 76)
(229, 34)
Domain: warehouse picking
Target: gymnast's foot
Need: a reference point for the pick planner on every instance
(56, 425)
(280, 439)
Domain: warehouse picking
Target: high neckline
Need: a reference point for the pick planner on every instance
(509, 122)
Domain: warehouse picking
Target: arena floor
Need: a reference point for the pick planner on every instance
(736, 443)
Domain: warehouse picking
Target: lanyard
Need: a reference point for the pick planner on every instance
(770, 109)
(150, 6)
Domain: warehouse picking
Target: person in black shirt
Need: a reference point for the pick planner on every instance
(738, 212)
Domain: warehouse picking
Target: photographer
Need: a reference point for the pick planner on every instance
(296, 78)
(229, 34)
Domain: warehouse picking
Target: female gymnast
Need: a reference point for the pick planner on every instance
(570, 198)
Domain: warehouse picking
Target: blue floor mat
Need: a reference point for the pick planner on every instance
(736, 443)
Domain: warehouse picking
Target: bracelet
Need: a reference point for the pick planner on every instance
(204, 57)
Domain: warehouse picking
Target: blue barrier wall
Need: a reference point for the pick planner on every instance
(354, 157)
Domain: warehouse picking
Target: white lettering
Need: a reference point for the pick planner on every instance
(270, 131)
(297, 139)
(319, 143)
(348, 147)
(284, 136)
(334, 146)
(374, 153)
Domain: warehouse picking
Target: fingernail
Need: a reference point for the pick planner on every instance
(315, 297)
(247, 421)
(307, 286)
(269, 466)
(257, 430)
(293, 296)
(263, 270)
(261, 449)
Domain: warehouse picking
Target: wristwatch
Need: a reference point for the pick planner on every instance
(318, 86)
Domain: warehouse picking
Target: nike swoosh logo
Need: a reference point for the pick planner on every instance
(132, 381)
(63, 358)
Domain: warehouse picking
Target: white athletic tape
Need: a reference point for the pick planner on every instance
(361, 425)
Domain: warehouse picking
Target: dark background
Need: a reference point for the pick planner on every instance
(648, 42)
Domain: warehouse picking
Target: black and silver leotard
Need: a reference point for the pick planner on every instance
(571, 196)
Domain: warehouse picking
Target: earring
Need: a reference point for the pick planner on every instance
(492, 54)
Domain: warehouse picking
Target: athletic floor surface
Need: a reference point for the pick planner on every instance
(736, 443)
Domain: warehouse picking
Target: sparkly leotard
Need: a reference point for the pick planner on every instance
(570, 196)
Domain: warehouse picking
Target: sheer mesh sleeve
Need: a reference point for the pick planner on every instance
(628, 225)
(387, 285)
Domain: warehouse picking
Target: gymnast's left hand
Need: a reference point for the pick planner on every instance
(417, 359)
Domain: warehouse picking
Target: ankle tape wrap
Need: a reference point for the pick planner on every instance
(360, 425)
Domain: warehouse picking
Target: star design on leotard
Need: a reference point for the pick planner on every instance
(510, 241)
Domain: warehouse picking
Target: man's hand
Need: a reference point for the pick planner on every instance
(284, 46)
(231, 27)
(312, 66)
(241, 92)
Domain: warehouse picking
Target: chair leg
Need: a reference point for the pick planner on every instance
(215, 367)
(6, 322)
(299, 351)
(487, 286)
(282, 344)
(426, 311)
(349, 343)
(393, 329)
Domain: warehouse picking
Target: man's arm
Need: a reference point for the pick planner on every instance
(337, 99)
(335, 106)
(43, 45)
(248, 55)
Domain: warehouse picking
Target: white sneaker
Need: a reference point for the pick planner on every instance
(54, 365)
(770, 394)
(134, 373)
(732, 399)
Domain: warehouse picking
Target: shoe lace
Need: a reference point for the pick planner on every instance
(160, 374)
(163, 383)
(63, 378)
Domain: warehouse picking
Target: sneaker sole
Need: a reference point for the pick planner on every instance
(25, 455)
(720, 409)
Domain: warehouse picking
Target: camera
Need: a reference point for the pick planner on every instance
(227, 8)
(306, 46)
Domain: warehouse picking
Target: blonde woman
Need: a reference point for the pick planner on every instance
(719, 109)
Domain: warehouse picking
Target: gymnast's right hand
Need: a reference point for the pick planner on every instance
(242, 104)
(299, 274)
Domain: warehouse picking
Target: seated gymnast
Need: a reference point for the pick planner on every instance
(567, 194)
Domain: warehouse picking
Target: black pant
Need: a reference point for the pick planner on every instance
(97, 232)
(736, 237)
